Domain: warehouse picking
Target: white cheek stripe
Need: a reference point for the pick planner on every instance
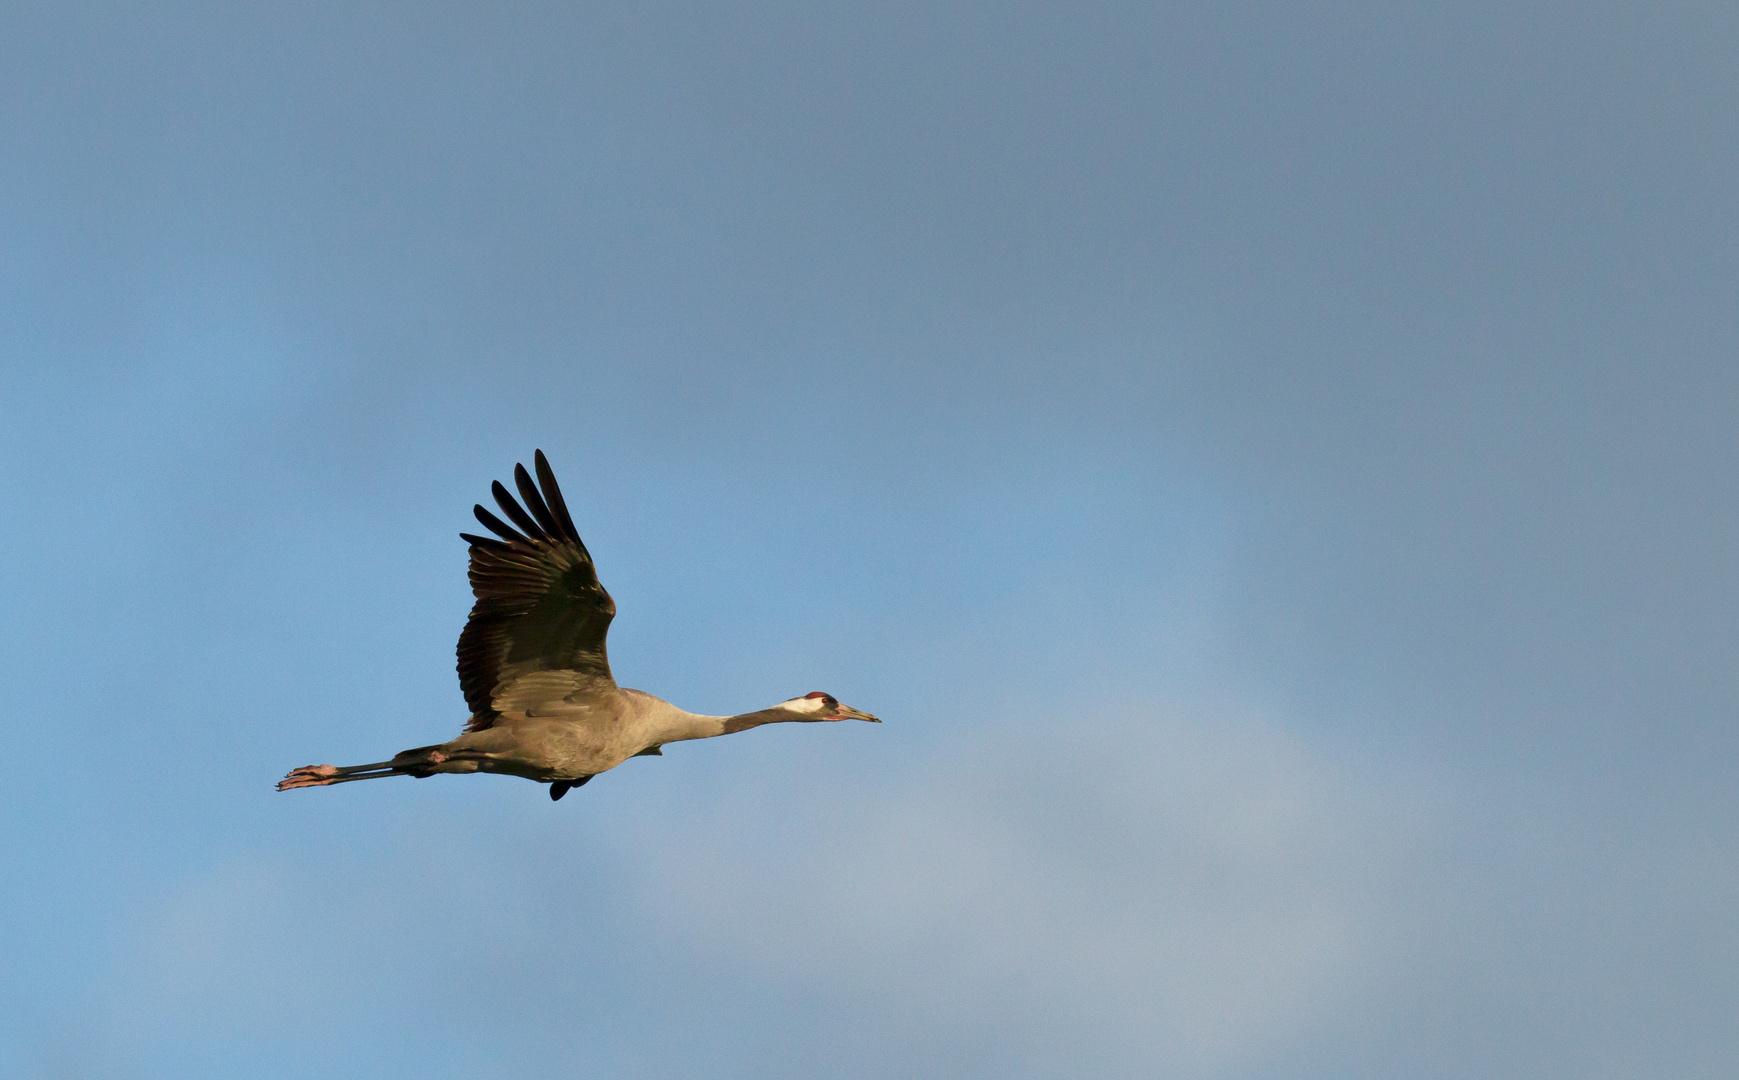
(805, 704)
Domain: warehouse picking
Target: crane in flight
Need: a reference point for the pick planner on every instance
(534, 672)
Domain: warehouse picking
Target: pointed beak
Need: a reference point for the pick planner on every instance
(846, 712)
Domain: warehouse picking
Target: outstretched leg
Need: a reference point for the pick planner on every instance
(321, 775)
(422, 761)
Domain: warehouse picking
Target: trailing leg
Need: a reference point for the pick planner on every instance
(420, 762)
(322, 775)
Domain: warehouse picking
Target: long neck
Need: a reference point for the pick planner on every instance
(745, 721)
(672, 724)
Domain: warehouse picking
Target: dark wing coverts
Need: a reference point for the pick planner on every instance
(539, 605)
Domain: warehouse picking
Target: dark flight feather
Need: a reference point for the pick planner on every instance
(534, 502)
(540, 606)
(488, 542)
(497, 526)
(518, 515)
(557, 506)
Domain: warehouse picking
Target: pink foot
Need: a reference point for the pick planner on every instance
(308, 776)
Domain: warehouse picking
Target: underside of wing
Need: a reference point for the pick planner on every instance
(540, 606)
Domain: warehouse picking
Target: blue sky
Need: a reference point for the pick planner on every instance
(1271, 466)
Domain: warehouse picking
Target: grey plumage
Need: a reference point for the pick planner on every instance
(534, 669)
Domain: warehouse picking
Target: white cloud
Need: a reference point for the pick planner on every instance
(1130, 891)
(1189, 893)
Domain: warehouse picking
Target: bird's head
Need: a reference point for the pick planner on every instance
(819, 706)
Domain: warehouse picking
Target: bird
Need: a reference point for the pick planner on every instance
(534, 671)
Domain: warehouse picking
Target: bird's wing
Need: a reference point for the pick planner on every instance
(537, 630)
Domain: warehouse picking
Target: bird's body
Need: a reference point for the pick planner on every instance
(533, 667)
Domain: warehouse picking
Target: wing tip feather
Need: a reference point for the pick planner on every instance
(552, 494)
(534, 501)
(497, 526)
(487, 543)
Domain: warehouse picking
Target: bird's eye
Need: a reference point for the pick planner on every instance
(831, 702)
